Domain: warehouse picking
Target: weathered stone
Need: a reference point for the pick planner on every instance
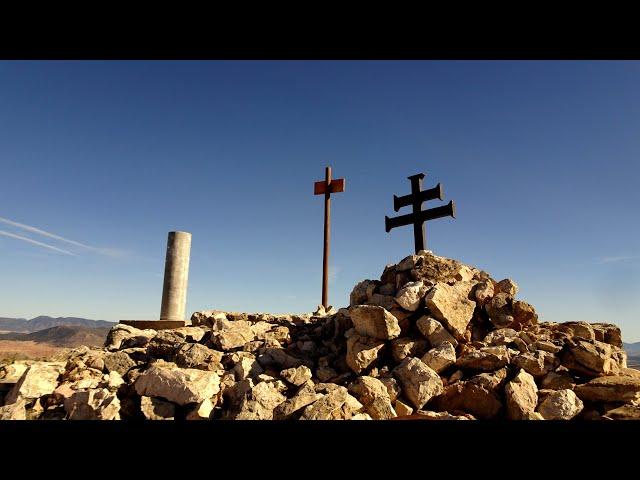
(261, 402)
(484, 292)
(522, 396)
(501, 336)
(14, 411)
(419, 382)
(411, 295)
(118, 362)
(230, 335)
(93, 405)
(433, 330)
(362, 352)
(278, 358)
(195, 355)
(403, 347)
(429, 415)
(157, 409)
(468, 397)
(305, 395)
(491, 381)
(547, 346)
(578, 330)
(373, 395)
(202, 411)
(537, 363)
(500, 310)
(247, 367)
(561, 379)
(440, 357)
(335, 405)
(451, 307)
(177, 385)
(393, 388)
(385, 301)
(625, 412)
(362, 292)
(507, 286)
(373, 321)
(597, 357)
(39, 379)
(297, 376)
(402, 409)
(610, 389)
(134, 337)
(560, 405)
(486, 359)
(524, 315)
(408, 263)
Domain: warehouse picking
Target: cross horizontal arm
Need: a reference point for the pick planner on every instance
(448, 210)
(430, 194)
(337, 186)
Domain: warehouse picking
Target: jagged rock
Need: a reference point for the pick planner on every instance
(524, 315)
(335, 405)
(486, 359)
(577, 330)
(385, 301)
(560, 405)
(260, 402)
(433, 330)
(94, 404)
(14, 411)
(501, 336)
(468, 397)
(373, 395)
(202, 411)
(594, 357)
(429, 415)
(195, 355)
(608, 333)
(11, 374)
(410, 296)
(247, 367)
(537, 363)
(507, 286)
(134, 337)
(228, 335)
(362, 352)
(305, 395)
(277, 357)
(393, 388)
(178, 385)
(484, 292)
(375, 322)
(118, 362)
(297, 376)
(402, 409)
(440, 357)
(419, 382)
(547, 346)
(625, 412)
(362, 292)
(157, 409)
(451, 307)
(500, 310)
(561, 379)
(490, 381)
(39, 379)
(617, 388)
(522, 396)
(403, 347)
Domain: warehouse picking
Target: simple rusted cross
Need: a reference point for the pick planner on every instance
(419, 216)
(327, 187)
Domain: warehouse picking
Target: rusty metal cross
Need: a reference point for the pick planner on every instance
(326, 188)
(419, 216)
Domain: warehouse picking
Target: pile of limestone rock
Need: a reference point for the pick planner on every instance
(432, 339)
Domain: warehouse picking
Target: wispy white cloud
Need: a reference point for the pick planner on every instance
(334, 270)
(35, 242)
(107, 251)
(621, 258)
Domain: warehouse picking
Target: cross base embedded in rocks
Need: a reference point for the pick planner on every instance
(432, 339)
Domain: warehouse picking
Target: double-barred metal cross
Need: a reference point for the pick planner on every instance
(419, 216)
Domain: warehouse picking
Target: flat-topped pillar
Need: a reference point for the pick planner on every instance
(176, 276)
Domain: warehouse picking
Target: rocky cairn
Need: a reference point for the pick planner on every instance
(432, 339)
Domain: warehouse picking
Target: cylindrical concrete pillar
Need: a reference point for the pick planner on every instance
(176, 276)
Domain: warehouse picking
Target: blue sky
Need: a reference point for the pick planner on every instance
(541, 159)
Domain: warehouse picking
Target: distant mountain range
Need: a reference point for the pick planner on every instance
(632, 348)
(43, 322)
(62, 336)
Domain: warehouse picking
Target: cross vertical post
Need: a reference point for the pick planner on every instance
(327, 187)
(416, 203)
(327, 234)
